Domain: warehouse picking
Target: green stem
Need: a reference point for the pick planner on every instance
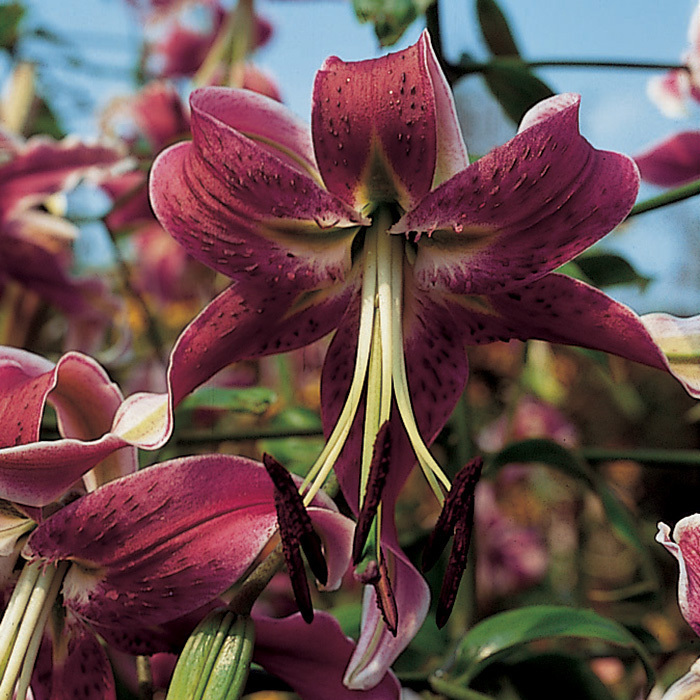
(678, 194)
(469, 67)
(249, 591)
(256, 433)
(656, 457)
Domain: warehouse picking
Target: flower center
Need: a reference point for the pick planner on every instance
(380, 368)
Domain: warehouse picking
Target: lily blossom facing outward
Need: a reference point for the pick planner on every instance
(376, 226)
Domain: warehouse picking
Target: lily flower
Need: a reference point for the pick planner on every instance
(144, 551)
(376, 226)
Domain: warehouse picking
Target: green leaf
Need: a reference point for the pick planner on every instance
(495, 29)
(516, 88)
(11, 15)
(608, 269)
(255, 399)
(565, 461)
(390, 18)
(507, 634)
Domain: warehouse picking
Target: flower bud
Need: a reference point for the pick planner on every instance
(215, 661)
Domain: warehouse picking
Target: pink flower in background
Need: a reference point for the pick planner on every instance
(672, 162)
(35, 246)
(187, 34)
(672, 91)
(510, 557)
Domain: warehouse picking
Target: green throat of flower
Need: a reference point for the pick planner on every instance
(380, 369)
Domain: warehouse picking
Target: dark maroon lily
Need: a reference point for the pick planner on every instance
(376, 226)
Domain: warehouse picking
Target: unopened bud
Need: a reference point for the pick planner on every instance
(215, 662)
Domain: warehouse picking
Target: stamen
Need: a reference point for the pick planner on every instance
(386, 602)
(456, 518)
(322, 467)
(427, 462)
(296, 532)
(378, 472)
(456, 565)
(458, 502)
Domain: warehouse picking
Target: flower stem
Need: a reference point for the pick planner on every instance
(678, 194)
(466, 67)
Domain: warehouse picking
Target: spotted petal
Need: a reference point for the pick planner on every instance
(35, 472)
(72, 665)
(522, 210)
(158, 544)
(560, 309)
(242, 202)
(378, 126)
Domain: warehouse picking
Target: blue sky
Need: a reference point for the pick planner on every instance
(616, 113)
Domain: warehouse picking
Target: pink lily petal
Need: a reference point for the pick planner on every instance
(235, 326)
(254, 209)
(157, 544)
(670, 93)
(244, 323)
(374, 126)
(452, 154)
(160, 115)
(678, 340)
(42, 167)
(135, 209)
(672, 162)
(260, 81)
(85, 400)
(523, 209)
(311, 658)
(376, 648)
(73, 666)
(685, 546)
(560, 309)
(160, 543)
(266, 122)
